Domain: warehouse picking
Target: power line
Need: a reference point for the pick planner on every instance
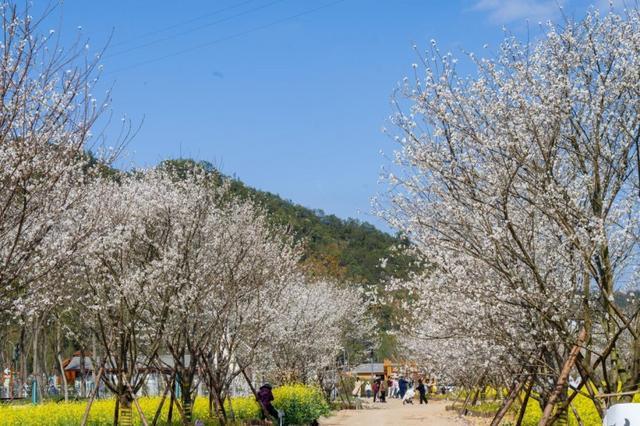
(210, 24)
(230, 37)
(189, 21)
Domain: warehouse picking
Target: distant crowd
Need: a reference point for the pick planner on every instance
(381, 388)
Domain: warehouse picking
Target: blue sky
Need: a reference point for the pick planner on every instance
(288, 95)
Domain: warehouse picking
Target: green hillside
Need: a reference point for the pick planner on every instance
(344, 249)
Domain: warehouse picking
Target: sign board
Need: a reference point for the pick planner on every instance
(623, 415)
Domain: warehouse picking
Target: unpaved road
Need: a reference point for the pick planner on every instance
(393, 413)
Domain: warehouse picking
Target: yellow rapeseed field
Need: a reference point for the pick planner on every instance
(300, 403)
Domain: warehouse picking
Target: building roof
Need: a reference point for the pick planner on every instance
(164, 362)
(369, 368)
(75, 363)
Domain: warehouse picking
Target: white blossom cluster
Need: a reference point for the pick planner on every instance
(313, 316)
(46, 113)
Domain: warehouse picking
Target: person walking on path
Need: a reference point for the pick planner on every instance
(356, 388)
(383, 390)
(422, 390)
(394, 388)
(402, 387)
(367, 389)
(376, 388)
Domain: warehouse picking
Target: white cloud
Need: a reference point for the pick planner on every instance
(503, 11)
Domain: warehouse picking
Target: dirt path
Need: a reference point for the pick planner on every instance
(394, 413)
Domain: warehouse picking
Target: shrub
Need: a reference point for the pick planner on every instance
(244, 408)
(301, 404)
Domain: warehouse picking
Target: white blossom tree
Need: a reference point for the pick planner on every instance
(520, 187)
(309, 329)
(48, 114)
(229, 266)
(123, 279)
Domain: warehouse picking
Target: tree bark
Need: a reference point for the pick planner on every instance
(35, 368)
(525, 401)
(65, 385)
(562, 379)
(164, 397)
(85, 416)
(83, 375)
(515, 389)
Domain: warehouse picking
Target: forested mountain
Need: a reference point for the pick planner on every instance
(344, 249)
(347, 250)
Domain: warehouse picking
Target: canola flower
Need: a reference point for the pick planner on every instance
(301, 404)
(581, 403)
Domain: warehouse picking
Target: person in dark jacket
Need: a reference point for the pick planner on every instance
(422, 390)
(265, 396)
(376, 388)
(383, 390)
(402, 386)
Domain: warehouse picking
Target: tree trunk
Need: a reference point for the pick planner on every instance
(164, 397)
(126, 411)
(23, 362)
(85, 416)
(116, 412)
(35, 367)
(95, 360)
(210, 402)
(65, 385)
(523, 408)
(515, 390)
(171, 401)
(561, 385)
(43, 361)
(187, 404)
(563, 415)
(232, 414)
(83, 374)
(220, 402)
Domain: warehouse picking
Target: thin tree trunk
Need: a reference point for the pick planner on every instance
(220, 404)
(523, 409)
(164, 397)
(171, 400)
(35, 368)
(515, 390)
(83, 374)
(186, 402)
(43, 362)
(473, 402)
(143, 419)
(562, 379)
(65, 385)
(85, 416)
(211, 402)
(255, 394)
(232, 414)
(23, 362)
(116, 413)
(575, 413)
(95, 360)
